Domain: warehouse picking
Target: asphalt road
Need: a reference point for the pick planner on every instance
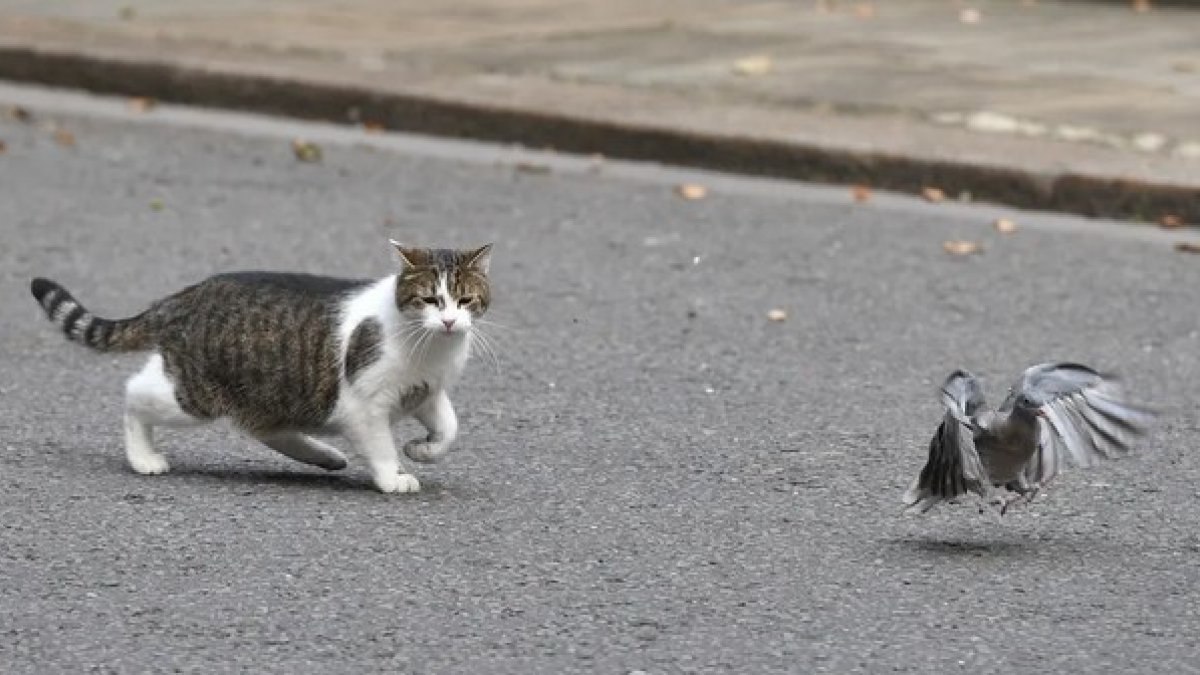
(654, 478)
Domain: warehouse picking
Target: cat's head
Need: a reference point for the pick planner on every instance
(444, 289)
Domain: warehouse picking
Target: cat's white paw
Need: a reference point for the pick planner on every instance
(149, 464)
(420, 450)
(397, 483)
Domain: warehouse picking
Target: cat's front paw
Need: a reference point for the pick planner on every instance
(421, 450)
(397, 483)
(149, 464)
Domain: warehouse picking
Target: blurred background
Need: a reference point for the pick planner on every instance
(1073, 105)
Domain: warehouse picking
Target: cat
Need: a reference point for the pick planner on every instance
(287, 355)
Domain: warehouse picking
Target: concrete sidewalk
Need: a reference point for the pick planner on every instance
(1091, 108)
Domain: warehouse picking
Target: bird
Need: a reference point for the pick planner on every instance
(1054, 415)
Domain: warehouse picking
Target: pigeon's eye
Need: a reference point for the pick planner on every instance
(466, 300)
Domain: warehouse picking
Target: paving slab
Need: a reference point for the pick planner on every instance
(1076, 106)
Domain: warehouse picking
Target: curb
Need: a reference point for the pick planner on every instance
(1088, 195)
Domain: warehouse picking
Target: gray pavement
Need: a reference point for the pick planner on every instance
(1077, 106)
(655, 478)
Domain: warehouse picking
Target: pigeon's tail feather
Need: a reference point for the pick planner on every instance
(919, 500)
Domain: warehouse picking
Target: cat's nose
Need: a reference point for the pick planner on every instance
(449, 323)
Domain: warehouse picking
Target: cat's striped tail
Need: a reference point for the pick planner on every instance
(82, 326)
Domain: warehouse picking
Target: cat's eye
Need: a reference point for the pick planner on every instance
(430, 300)
(466, 300)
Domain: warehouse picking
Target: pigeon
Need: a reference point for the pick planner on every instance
(1057, 413)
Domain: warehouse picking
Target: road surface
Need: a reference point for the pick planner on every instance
(653, 477)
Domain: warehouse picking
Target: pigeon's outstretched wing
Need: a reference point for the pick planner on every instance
(953, 467)
(1084, 417)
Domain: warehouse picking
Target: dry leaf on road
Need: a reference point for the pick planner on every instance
(961, 247)
(142, 104)
(753, 65)
(864, 10)
(1187, 247)
(20, 114)
(861, 193)
(3, 147)
(970, 15)
(1170, 222)
(306, 151)
(532, 167)
(691, 192)
(777, 315)
(373, 127)
(64, 138)
(1141, 5)
(1004, 226)
(932, 194)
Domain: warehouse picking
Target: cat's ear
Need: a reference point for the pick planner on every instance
(480, 258)
(408, 255)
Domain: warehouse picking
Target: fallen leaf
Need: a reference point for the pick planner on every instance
(374, 127)
(861, 193)
(531, 167)
(970, 15)
(306, 151)
(961, 247)
(20, 114)
(1141, 5)
(157, 205)
(64, 138)
(777, 315)
(3, 147)
(753, 66)
(691, 192)
(932, 194)
(1187, 247)
(864, 10)
(142, 104)
(1170, 222)
(1004, 226)
(127, 13)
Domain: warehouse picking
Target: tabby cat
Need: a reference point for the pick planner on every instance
(288, 355)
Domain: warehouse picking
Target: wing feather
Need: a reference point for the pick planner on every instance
(1085, 418)
(953, 467)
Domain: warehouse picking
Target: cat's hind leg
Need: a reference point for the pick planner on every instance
(150, 402)
(305, 449)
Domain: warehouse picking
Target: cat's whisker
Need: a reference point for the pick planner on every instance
(494, 324)
(417, 348)
(412, 336)
(480, 340)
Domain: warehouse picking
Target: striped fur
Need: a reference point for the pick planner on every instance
(85, 328)
(284, 355)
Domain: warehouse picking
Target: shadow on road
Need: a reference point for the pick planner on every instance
(972, 547)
